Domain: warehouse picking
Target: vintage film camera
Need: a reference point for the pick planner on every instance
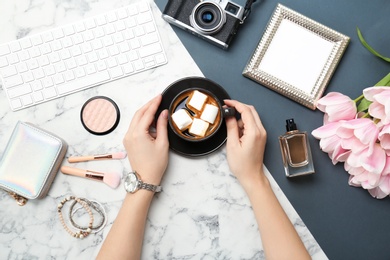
(216, 21)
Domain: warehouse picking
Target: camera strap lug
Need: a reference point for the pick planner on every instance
(247, 10)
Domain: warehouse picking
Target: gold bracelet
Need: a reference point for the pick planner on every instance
(80, 233)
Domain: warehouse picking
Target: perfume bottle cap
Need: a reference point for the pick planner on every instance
(290, 125)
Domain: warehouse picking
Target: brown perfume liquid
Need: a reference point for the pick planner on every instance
(296, 154)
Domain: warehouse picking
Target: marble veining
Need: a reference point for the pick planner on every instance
(203, 213)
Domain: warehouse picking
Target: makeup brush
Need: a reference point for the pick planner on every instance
(111, 179)
(118, 155)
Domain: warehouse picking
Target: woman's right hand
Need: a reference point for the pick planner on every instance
(246, 139)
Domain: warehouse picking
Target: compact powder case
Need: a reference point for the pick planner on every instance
(100, 115)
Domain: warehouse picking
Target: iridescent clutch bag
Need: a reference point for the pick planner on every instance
(30, 162)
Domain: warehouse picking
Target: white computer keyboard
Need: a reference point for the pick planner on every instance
(74, 57)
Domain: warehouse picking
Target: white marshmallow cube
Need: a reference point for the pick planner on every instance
(209, 113)
(199, 127)
(182, 119)
(197, 100)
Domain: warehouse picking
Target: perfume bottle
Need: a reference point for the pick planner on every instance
(295, 148)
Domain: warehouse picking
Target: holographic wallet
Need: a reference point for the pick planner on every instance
(30, 162)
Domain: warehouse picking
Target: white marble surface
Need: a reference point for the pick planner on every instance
(202, 213)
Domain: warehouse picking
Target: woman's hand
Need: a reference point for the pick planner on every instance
(148, 151)
(246, 139)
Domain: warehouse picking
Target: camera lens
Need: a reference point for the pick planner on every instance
(207, 17)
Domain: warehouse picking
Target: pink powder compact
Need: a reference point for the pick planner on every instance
(100, 115)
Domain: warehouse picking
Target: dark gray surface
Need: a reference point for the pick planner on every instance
(346, 221)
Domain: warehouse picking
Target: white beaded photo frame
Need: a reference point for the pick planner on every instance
(296, 56)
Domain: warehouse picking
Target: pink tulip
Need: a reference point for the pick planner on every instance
(366, 180)
(383, 188)
(366, 171)
(373, 162)
(330, 142)
(380, 106)
(378, 193)
(358, 134)
(384, 138)
(336, 107)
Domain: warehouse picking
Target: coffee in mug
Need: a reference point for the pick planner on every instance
(196, 114)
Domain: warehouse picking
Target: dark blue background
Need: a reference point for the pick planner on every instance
(346, 221)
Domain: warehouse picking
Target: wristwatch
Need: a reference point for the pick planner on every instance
(133, 183)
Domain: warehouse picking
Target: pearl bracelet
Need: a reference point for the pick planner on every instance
(97, 207)
(80, 233)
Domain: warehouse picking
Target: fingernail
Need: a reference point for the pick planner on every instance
(164, 114)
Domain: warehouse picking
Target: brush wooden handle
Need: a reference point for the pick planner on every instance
(74, 171)
(74, 159)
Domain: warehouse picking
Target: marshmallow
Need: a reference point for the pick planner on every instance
(182, 119)
(197, 100)
(199, 127)
(209, 113)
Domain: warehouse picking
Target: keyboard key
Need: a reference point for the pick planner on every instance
(122, 14)
(101, 20)
(79, 72)
(27, 76)
(79, 27)
(36, 40)
(22, 67)
(32, 64)
(3, 62)
(38, 73)
(69, 75)
(86, 81)
(111, 17)
(49, 92)
(69, 30)
(23, 55)
(26, 100)
(4, 49)
(116, 72)
(19, 91)
(36, 85)
(25, 43)
(47, 37)
(13, 58)
(37, 96)
(128, 68)
(101, 65)
(8, 71)
(56, 45)
(144, 18)
(16, 104)
(58, 34)
(15, 46)
(47, 82)
(149, 38)
(90, 69)
(150, 50)
(13, 81)
(49, 70)
(160, 59)
(58, 79)
(60, 67)
(43, 61)
(111, 62)
(54, 57)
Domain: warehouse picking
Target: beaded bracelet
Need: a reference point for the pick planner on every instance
(80, 233)
(96, 206)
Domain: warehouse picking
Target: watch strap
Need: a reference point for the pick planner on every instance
(150, 187)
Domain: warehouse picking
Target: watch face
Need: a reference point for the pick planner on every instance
(131, 182)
